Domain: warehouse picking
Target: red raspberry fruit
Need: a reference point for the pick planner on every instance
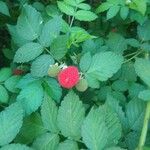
(68, 77)
(18, 72)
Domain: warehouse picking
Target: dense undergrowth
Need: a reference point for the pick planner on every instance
(74, 74)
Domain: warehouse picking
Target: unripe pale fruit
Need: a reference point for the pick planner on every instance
(53, 70)
(82, 85)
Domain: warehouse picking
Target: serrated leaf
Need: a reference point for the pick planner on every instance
(85, 15)
(144, 95)
(66, 8)
(128, 72)
(5, 73)
(28, 52)
(114, 105)
(94, 130)
(26, 80)
(17, 38)
(4, 8)
(113, 125)
(135, 110)
(92, 81)
(47, 141)
(11, 83)
(112, 12)
(116, 43)
(143, 31)
(29, 23)
(142, 67)
(10, 123)
(49, 112)
(104, 65)
(103, 7)
(68, 145)
(85, 62)
(70, 116)
(53, 89)
(59, 47)
(31, 97)
(120, 85)
(124, 11)
(16, 147)
(32, 128)
(3, 95)
(40, 65)
(50, 31)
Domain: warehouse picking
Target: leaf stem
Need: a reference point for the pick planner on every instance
(145, 127)
(71, 23)
(146, 120)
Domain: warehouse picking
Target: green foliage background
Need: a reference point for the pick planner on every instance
(109, 42)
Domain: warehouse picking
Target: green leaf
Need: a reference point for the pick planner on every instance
(113, 125)
(49, 112)
(120, 85)
(113, 103)
(104, 65)
(124, 11)
(10, 123)
(94, 130)
(139, 5)
(142, 67)
(11, 83)
(29, 23)
(47, 141)
(145, 46)
(103, 7)
(16, 147)
(84, 6)
(85, 62)
(133, 42)
(115, 148)
(5, 73)
(144, 95)
(52, 10)
(4, 97)
(135, 110)
(50, 31)
(70, 116)
(28, 52)
(32, 128)
(71, 2)
(31, 97)
(59, 47)
(4, 9)
(92, 81)
(112, 12)
(143, 31)
(53, 89)
(116, 43)
(8, 53)
(65, 8)
(68, 145)
(40, 65)
(85, 15)
(17, 38)
(128, 72)
(26, 80)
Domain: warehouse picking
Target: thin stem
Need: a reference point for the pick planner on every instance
(145, 127)
(133, 57)
(146, 120)
(71, 23)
